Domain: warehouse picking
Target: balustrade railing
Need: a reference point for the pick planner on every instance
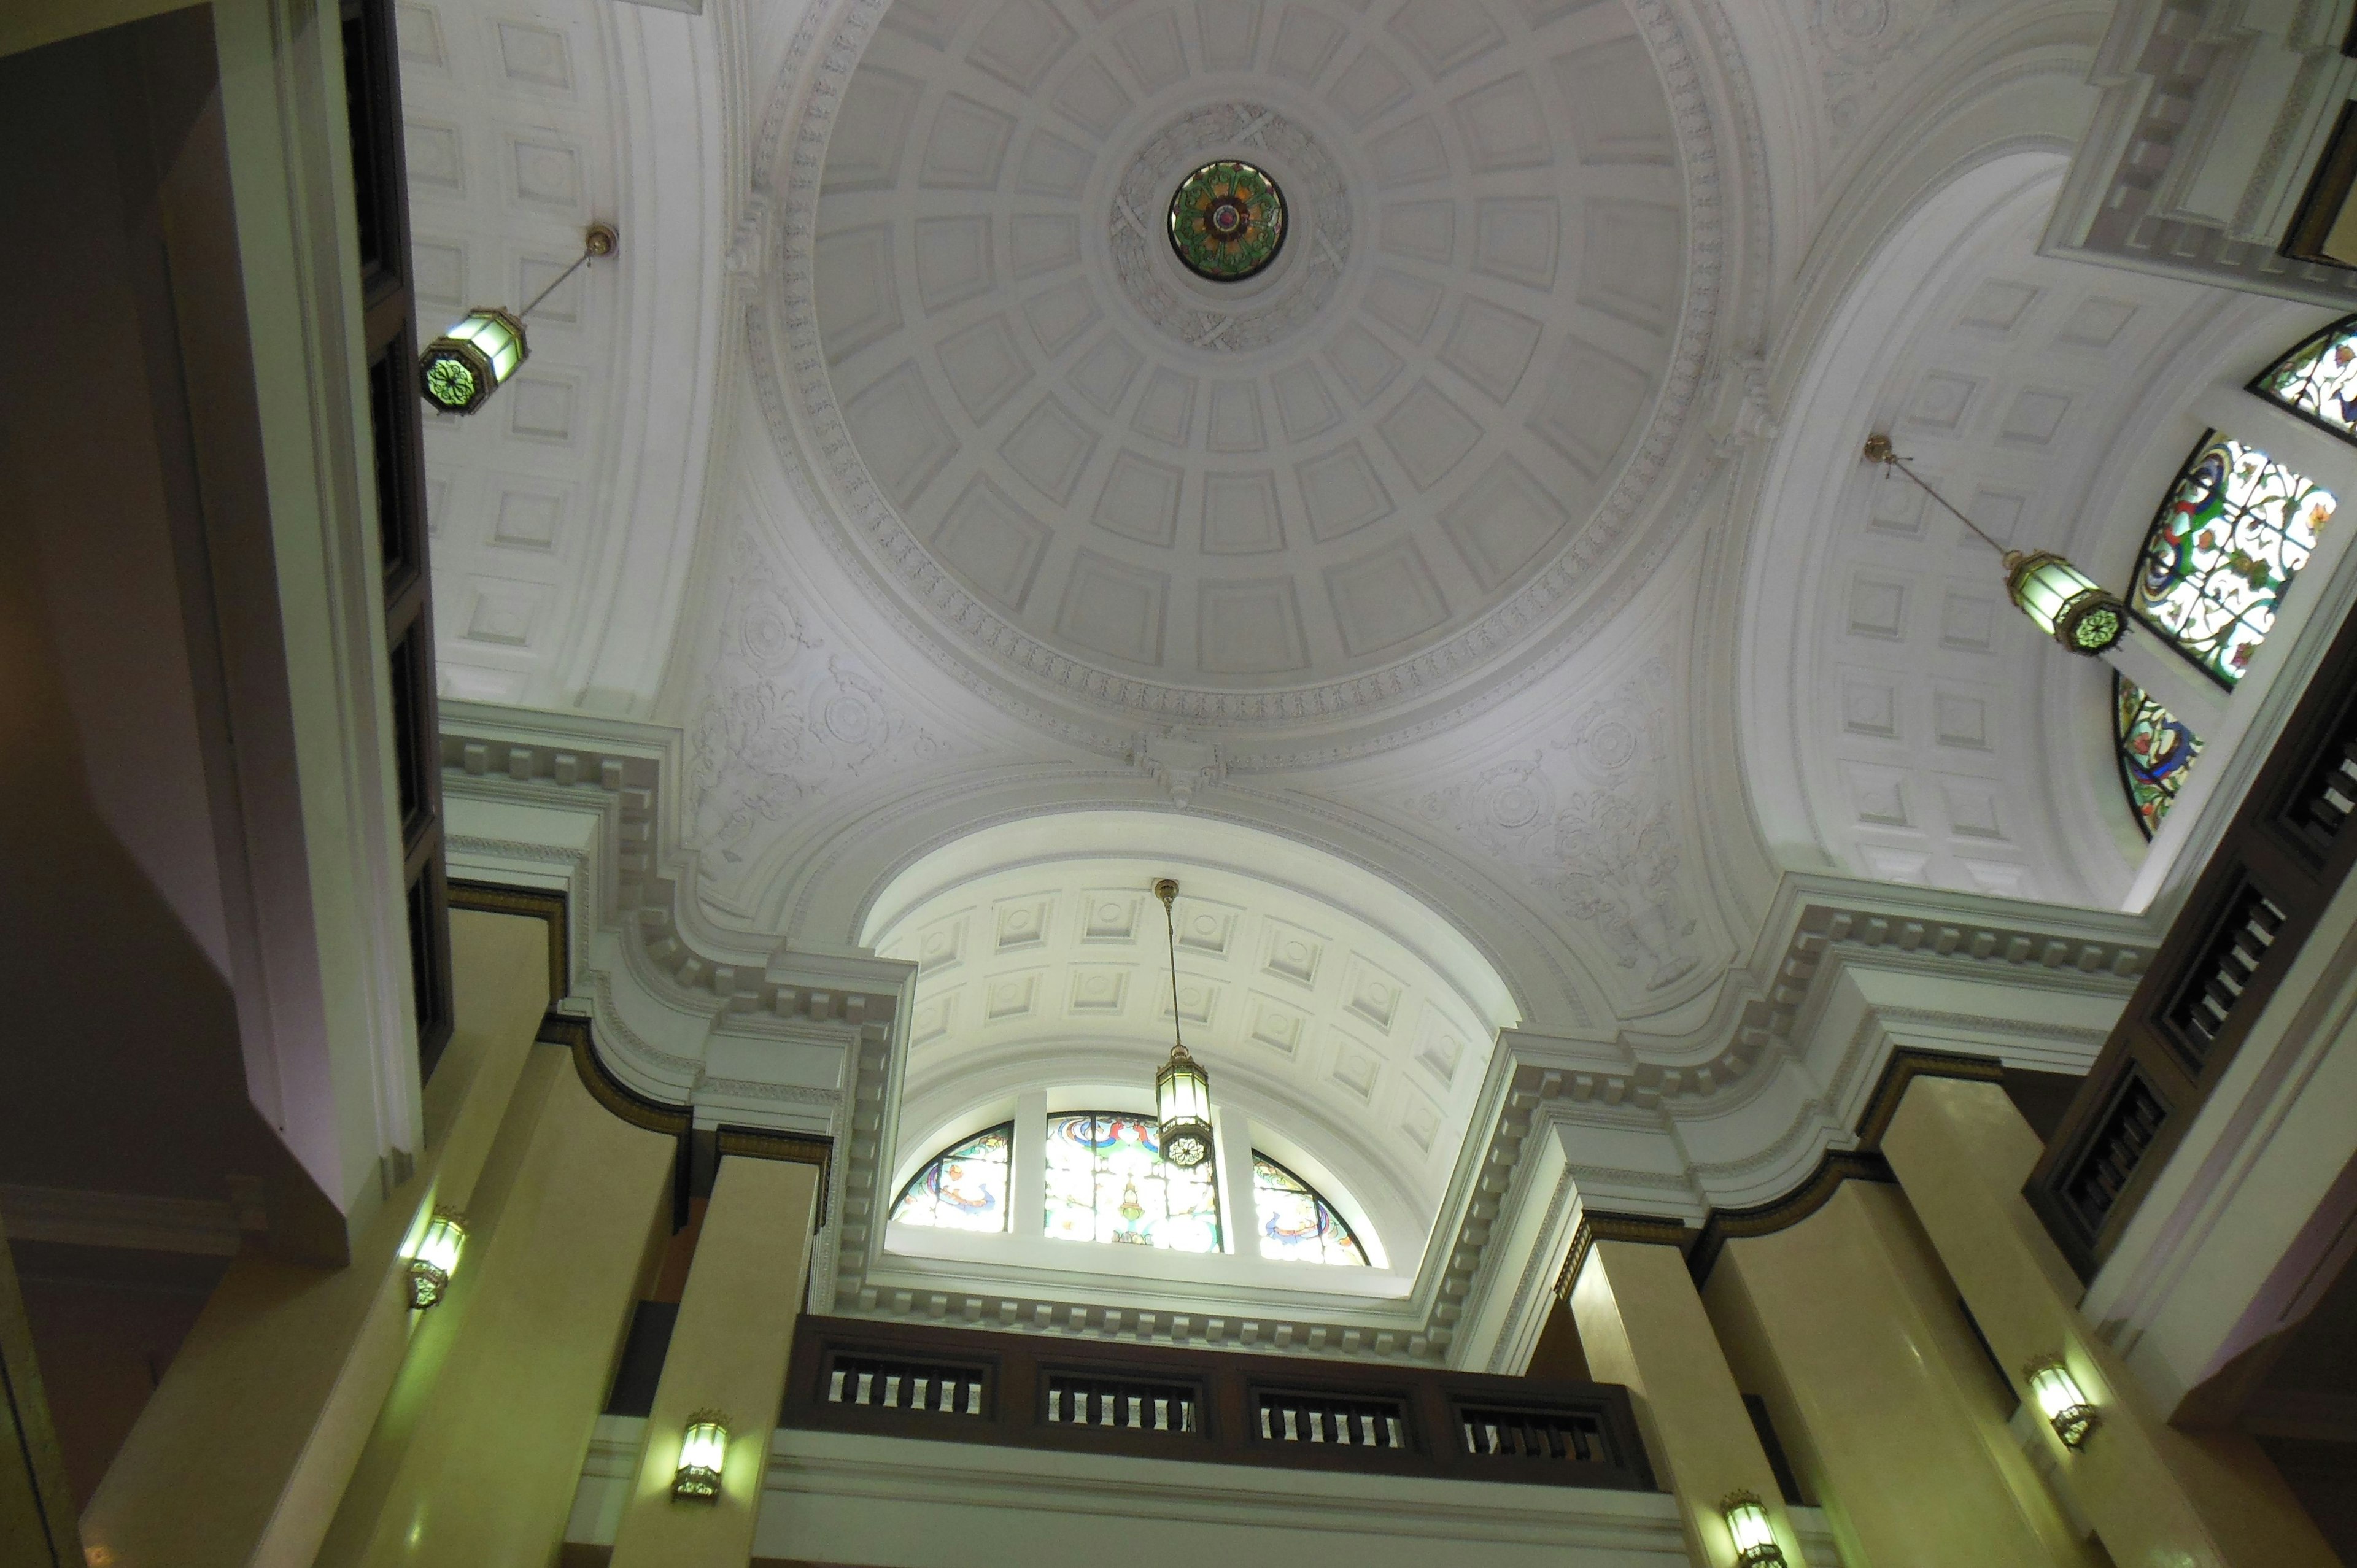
(1235, 1408)
(2276, 870)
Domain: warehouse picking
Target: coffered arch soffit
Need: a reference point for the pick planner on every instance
(1325, 1003)
(564, 513)
(1900, 719)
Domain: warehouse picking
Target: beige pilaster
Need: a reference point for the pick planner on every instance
(479, 1454)
(2155, 1494)
(1642, 1325)
(242, 1453)
(728, 1352)
(1847, 1327)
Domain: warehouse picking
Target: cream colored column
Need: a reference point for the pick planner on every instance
(2156, 1495)
(488, 1460)
(242, 1453)
(1847, 1325)
(728, 1352)
(1642, 1325)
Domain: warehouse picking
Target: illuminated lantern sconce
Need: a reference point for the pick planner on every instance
(1755, 1543)
(2063, 1403)
(1182, 1096)
(435, 1257)
(459, 370)
(700, 1456)
(2066, 603)
(1182, 1089)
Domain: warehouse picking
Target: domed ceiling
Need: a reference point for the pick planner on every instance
(1434, 407)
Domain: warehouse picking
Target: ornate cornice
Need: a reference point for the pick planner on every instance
(1827, 940)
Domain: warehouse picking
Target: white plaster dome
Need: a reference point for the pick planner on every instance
(1426, 420)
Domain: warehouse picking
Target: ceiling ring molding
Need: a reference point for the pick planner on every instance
(889, 554)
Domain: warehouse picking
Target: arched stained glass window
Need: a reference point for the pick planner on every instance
(1296, 1223)
(2318, 380)
(2156, 752)
(2236, 528)
(965, 1188)
(1107, 1182)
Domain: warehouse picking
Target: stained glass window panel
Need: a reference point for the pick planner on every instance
(2317, 380)
(1107, 1182)
(2156, 752)
(2235, 530)
(965, 1187)
(1296, 1223)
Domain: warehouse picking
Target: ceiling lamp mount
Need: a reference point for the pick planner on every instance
(459, 370)
(1182, 1089)
(2066, 603)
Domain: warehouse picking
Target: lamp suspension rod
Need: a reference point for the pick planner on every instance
(1170, 931)
(592, 248)
(1878, 449)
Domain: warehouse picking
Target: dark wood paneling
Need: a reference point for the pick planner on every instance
(1017, 1391)
(380, 212)
(2277, 868)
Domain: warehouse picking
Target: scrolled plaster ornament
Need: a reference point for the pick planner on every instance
(1180, 763)
(1585, 819)
(784, 720)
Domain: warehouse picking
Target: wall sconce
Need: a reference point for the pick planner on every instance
(700, 1456)
(436, 1255)
(1755, 1543)
(2065, 1405)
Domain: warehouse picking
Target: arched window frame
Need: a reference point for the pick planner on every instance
(1337, 1242)
(2314, 383)
(2295, 371)
(931, 1174)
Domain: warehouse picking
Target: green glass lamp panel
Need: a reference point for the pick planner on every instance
(2156, 752)
(450, 380)
(1106, 1181)
(965, 1188)
(2318, 380)
(2235, 532)
(1227, 220)
(1297, 1223)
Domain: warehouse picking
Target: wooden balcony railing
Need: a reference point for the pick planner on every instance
(2263, 892)
(1232, 1408)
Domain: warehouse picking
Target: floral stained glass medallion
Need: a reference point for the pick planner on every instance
(1296, 1223)
(2318, 380)
(2236, 528)
(1107, 1182)
(2156, 752)
(963, 1188)
(1227, 221)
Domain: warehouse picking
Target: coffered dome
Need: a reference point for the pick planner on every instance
(1184, 492)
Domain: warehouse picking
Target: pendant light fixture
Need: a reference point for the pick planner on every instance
(2066, 603)
(459, 370)
(1182, 1089)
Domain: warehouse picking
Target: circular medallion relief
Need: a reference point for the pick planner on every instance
(1227, 221)
(1308, 196)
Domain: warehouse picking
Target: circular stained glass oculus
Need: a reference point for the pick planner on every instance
(1227, 221)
